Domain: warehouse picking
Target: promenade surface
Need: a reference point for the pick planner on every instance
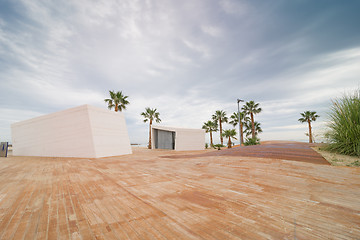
(160, 194)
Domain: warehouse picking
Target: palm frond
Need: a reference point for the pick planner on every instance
(117, 100)
(151, 114)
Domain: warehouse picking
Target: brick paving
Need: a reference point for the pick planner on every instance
(149, 195)
(293, 151)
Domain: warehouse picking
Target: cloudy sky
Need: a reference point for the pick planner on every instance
(186, 58)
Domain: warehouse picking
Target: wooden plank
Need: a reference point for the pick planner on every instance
(148, 195)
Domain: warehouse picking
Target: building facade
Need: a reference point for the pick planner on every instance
(180, 139)
(85, 131)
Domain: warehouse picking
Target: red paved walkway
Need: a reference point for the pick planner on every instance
(294, 151)
(147, 196)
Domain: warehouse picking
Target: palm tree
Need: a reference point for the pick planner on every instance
(252, 108)
(235, 120)
(150, 115)
(248, 128)
(220, 116)
(229, 133)
(308, 117)
(210, 126)
(117, 100)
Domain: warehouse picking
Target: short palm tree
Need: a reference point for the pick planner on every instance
(308, 116)
(151, 115)
(235, 120)
(251, 108)
(248, 128)
(221, 117)
(210, 126)
(229, 133)
(117, 100)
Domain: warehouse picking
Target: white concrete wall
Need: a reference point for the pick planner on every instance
(83, 131)
(190, 139)
(109, 132)
(186, 139)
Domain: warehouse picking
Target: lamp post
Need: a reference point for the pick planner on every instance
(238, 101)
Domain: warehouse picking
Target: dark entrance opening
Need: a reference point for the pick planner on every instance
(164, 139)
(4, 149)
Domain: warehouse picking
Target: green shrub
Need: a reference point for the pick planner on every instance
(218, 146)
(344, 127)
(206, 145)
(356, 163)
(252, 141)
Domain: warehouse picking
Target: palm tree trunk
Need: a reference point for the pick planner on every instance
(229, 143)
(149, 146)
(252, 125)
(221, 137)
(116, 108)
(241, 133)
(310, 134)
(211, 141)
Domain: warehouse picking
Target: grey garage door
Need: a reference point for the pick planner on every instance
(164, 139)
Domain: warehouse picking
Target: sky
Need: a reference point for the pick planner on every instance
(185, 58)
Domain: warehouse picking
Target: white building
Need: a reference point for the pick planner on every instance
(84, 131)
(180, 139)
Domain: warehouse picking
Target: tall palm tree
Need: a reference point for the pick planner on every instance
(229, 133)
(248, 128)
(220, 116)
(235, 119)
(151, 115)
(308, 117)
(210, 126)
(117, 100)
(252, 108)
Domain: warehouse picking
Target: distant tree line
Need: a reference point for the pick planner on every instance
(248, 125)
(343, 135)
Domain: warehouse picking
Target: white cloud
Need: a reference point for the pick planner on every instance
(179, 58)
(234, 7)
(211, 30)
(187, 58)
(199, 48)
(129, 29)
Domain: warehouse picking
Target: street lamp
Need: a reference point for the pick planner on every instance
(238, 101)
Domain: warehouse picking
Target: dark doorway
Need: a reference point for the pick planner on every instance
(164, 139)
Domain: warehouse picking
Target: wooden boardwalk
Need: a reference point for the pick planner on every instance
(147, 196)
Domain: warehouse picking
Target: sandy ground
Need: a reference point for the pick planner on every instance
(338, 159)
(153, 194)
